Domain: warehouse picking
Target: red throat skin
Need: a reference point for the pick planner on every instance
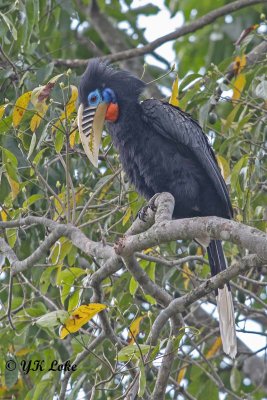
(112, 113)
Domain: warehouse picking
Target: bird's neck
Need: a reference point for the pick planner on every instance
(126, 126)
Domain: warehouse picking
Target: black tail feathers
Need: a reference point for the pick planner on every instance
(216, 257)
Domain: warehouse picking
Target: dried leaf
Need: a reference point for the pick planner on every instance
(127, 216)
(79, 317)
(186, 275)
(15, 187)
(245, 33)
(175, 93)
(73, 139)
(239, 86)
(20, 108)
(181, 375)
(3, 215)
(134, 329)
(239, 64)
(224, 166)
(2, 110)
(214, 348)
(37, 118)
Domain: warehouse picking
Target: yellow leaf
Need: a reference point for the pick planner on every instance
(239, 85)
(14, 187)
(146, 251)
(79, 317)
(181, 375)
(224, 166)
(69, 108)
(199, 251)
(175, 92)
(134, 329)
(23, 352)
(186, 275)
(73, 139)
(127, 216)
(37, 118)
(239, 64)
(214, 348)
(71, 105)
(104, 190)
(79, 195)
(2, 110)
(3, 215)
(20, 108)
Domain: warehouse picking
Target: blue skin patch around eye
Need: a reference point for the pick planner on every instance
(109, 96)
(94, 98)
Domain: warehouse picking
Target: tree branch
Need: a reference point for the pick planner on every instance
(184, 30)
(189, 228)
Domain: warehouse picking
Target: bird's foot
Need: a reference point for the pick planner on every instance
(119, 245)
(142, 214)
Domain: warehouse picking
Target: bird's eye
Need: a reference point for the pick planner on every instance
(94, 98)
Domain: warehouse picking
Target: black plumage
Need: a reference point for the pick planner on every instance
(163, 149)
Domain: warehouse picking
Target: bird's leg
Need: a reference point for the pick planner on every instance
(142, 214)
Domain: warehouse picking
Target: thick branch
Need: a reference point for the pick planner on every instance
(214, 227)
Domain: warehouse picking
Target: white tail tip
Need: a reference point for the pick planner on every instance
(227, 321)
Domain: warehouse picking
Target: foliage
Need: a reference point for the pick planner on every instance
(44, 172)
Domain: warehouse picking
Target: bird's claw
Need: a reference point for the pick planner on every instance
(119, 245)
(152, 202)
(142, 214)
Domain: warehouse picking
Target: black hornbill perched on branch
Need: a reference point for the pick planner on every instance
(162, 149)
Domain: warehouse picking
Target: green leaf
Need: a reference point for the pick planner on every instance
(10, 25)
(45, 279)
(11, 234)
(150, 270)
(150, 299)
(41, 388)
(37, 310)
(133, 286)
(11, 375)
(59, 141)
(142, 379)
(236, 170)
(189, 79)
(9, 157)
(54, 318)
(235, 379)
(208, 391)
(74, 299)
(133, 352)
(32, 145)
(66, 279)
(31, 200)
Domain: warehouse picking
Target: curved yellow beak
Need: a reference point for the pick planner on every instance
(91, 123)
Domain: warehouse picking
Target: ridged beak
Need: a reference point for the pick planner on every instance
(91, 123)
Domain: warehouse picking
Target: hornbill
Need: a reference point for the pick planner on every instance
(162, 149)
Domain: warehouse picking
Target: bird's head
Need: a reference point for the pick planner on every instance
(103, 93)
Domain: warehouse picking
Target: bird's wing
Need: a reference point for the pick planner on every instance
(181, 128)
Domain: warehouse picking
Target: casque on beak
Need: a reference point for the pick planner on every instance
(91, 123)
